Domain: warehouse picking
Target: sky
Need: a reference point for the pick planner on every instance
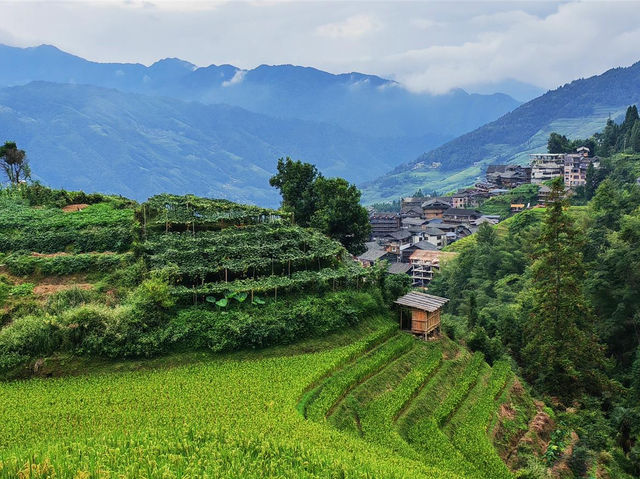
(427, 46)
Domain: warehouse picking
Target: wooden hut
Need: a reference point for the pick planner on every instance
(425, 312)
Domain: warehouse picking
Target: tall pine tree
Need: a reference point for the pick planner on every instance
(562, 356)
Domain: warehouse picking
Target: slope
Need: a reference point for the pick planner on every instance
(577, 109)
(95, 139)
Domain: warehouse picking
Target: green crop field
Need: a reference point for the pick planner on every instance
(238, 415)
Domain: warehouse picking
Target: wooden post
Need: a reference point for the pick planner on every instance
(225, 275)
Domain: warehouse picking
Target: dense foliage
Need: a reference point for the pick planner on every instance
(557, 290)
(331, 205)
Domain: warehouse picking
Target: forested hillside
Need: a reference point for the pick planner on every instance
(557, 290)
(577, 110)
(95, 139)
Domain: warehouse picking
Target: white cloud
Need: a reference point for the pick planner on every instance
(352, 27)
(237, 78)
(429, 46)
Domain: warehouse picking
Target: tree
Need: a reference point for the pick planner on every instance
(295, 180)
(14, 163)
(339, 213)
(331, 205)
(562, 356)
(558, 143)
(634, 137)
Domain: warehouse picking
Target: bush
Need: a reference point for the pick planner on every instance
(27, 337)
(578, 462)
(69, 298)
(275, 323)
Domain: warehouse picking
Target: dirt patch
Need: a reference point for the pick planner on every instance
(561, 468)
(48, 255)
(75, 207)
(507, 412)
(49, 289)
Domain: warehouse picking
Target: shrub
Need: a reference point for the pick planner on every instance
(27, 337)
(63, 300)
(578, 462)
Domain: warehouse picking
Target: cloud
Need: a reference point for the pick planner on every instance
(237, 78)
(427, 46)
(352, 27)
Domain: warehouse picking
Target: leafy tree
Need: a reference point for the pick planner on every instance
(14, 163)
(295, 180)
(562, 356)
(331, 205)
(339, 213)
(558, 144)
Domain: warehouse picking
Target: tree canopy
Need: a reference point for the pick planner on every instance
(331, 205)
(14, 163)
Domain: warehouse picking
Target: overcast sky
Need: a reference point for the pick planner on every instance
(427, 46)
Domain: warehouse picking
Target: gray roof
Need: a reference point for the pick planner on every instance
(437, 201)
(431, 231)
(399, 268)
(372, 255)
(425, 245)
(402, 234)
(422, 301)
(462, 212)
(414, 221)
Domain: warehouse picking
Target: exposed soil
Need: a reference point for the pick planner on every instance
(74, 208)
(506, 412)
(48, 255)
(561, 467)
(49, 289)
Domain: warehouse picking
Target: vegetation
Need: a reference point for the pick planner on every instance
(556, 290)
(14, 163)
(330, 205)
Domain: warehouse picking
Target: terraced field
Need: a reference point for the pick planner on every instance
(429, 402)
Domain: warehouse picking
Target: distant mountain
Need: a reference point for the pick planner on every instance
(365, 104)
(516, 89)
(577, 109)
(97, 139)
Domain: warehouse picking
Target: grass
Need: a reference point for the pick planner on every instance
(223, 416)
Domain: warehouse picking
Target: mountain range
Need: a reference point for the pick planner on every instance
(577, 109)
(215, 130)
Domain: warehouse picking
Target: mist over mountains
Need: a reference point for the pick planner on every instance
(216, 130)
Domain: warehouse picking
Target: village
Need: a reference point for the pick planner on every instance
(412, 240)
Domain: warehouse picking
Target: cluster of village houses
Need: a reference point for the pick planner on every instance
(412, 239)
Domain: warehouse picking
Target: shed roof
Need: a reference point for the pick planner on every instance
(399, 268)
(372, 255)
(422, 301)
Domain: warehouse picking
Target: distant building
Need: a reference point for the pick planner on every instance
(435, 207)
(508, 176)
(575, 168)
(423, 245)
(517, 207)
(546, 166)
(411, 207)
(425, 264)
(460, 215)
(384, 223)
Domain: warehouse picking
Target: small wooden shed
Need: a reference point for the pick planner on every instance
(425, 312)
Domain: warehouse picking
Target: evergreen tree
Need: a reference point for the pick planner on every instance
(562, 356)
(634, 137)
(558, 143)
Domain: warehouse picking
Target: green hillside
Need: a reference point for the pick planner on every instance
(191, 337)
(577, 110)
(235, 415)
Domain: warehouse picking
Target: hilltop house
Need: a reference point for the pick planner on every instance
(425, 313)
(546, 166)
(435, 207)
(384, 223)
(460, 215)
